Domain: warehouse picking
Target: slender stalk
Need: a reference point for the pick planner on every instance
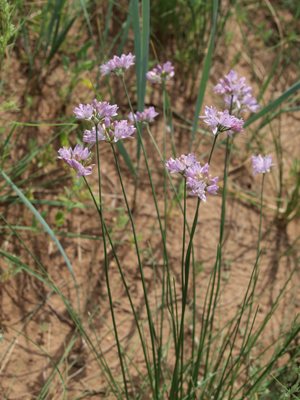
(222, 226)
(260, 219)
(183, 279)
(165, 234)
(204, 327)
(169, 114)
(106, 268)
(127, 290)
(169, 285)
(174, 387)
(150, 321)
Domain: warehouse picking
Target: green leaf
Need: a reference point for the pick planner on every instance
(125, 155)
(272, 106)
(45, 225)
(66, 62)
(205, 73)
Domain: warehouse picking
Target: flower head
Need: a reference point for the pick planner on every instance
(77, 159)
(237, 93)
(222, 121)
(261, 165)
(161, 74)
(197, 178)
(111, 132)
(84, 111)
(144, 117)
(96, 112)
(118, 65)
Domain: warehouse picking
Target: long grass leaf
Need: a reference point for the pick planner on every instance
(272, 106)
(59, 40)
(87, 18)
(126, 157)
(205, 73)
(144, 52)
(134, 7)
(46, 226)
(46, 354)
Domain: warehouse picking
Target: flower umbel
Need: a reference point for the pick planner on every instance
(109, 132)
(197, 178)
(118, 65)
(222, 121)
(261, 165)
(96, 112)
(237, 92)
(161, 74)
(144, 117)
(77, 159)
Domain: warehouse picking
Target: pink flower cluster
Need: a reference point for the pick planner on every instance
(96, 112)
(261, 165)
(144, 117)
(237, 92)
(111, 132)
(222, 121)
(197, 178)
(77, 159)
(118, 65)
(161, 74)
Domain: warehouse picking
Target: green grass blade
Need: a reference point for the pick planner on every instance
(110, 7)
(127, 25)
(47, 355)
(205, 73)
(126, 157)
(134, 7)
(87, 18)
(59, 40)
(46, 226)
(272, 106)
(144, 52)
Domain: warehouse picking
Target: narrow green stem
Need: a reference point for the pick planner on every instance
(126, 288)
(150, 321)
(213, 146)
(260, 219)
(165, 230)
(169, 114)
(169, 285)
(183, 281)
(106, 269)
(174, 387)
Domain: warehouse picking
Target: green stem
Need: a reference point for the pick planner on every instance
(183, 280)
(174, 387)
(126, 288)
(150, 321)
(106, 269)
(171, 309)
(260, 219)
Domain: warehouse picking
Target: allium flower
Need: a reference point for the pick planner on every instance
(111, 132)
(197, 178)
(90, 136)
(96, 112)
(144, 117)
(237, 92)
(84, 111)
(261, 165)
(161, 74)
(222, 121)
(77, 159)
(120, 130)
(118, 65)
(175, 166)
